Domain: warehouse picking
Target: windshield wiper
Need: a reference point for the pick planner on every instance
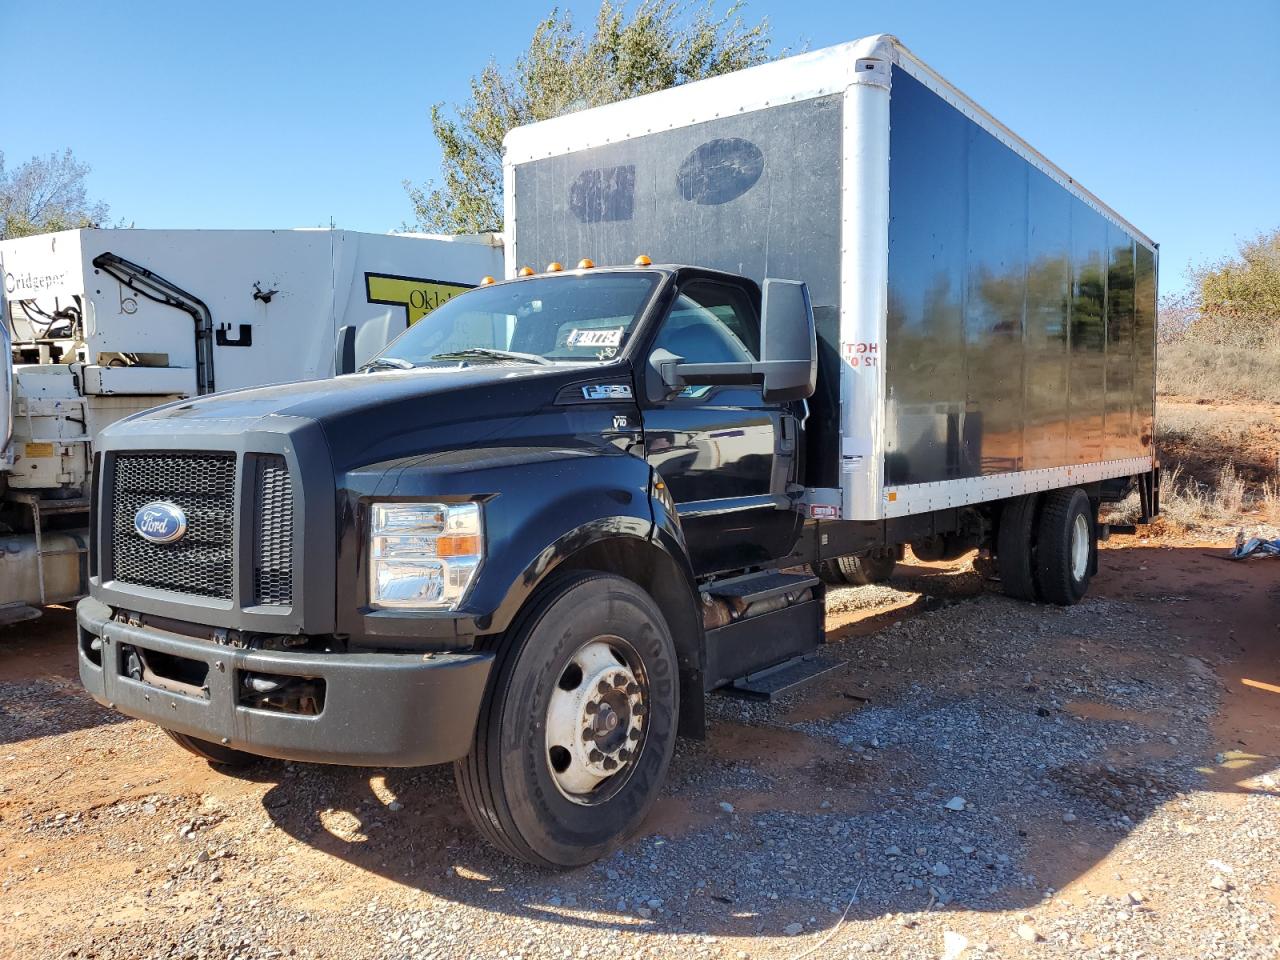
(386, 363)
(490, 353)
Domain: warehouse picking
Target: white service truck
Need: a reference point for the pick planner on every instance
(99, 324)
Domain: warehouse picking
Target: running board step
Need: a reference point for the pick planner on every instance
(783, 678)
(755, 587)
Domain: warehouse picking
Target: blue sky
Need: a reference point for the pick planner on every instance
(288, 114)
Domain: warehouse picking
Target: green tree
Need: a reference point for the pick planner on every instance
(659, 44)
(46, 194)
(1237, 299)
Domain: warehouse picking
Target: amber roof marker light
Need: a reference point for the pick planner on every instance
(525, 272)
(555, 266)
(586, 263)
(485, 281)
(643, 261)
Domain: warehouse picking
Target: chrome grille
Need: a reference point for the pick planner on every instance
(273, 533)
(203, 485)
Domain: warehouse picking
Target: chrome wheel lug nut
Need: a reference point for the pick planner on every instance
(610, 763)
(624, 755)
(588, 734)
(591, 708)
(595, 756)
(634, 735)
(603, 686)
(633, 688)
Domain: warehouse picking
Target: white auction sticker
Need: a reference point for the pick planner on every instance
(595, 338)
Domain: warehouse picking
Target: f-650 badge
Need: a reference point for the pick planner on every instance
(607, 391)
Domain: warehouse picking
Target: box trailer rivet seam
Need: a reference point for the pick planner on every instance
(579, 502)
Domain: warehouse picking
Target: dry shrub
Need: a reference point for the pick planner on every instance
(1186, 504)
(1191, 368)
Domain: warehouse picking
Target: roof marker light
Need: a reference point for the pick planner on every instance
(485, 281)
(586, 263)
(555, 266)
(525, 272)
(643, 261)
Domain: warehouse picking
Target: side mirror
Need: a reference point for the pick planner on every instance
(788, 368)
(344, 352)
(789, 341)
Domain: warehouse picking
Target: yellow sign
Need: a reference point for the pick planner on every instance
(39, 449)
(417, 295)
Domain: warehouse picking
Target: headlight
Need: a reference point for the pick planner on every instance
(423, 555)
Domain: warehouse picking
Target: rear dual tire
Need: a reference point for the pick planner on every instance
(1067, 543)
(1047, 546)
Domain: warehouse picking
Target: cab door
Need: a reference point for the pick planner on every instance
(726, 456)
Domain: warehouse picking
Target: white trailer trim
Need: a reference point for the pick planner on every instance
(803, 77)
(864, 287)
(944, 494)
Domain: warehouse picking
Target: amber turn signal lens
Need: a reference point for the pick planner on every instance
(458, 545)
(643, 261)
(485, 281)
(586, 263)
(525, 272)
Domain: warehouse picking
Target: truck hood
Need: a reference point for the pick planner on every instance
(367, 418)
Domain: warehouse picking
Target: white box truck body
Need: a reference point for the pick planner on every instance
(99, 324)
(986, 325)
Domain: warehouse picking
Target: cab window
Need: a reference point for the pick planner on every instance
(711, 323)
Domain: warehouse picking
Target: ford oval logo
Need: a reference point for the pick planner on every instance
(160, 522)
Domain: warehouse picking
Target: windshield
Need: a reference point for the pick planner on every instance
(571, 317)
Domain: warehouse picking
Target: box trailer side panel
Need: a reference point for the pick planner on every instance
(754, 193)
(1020, 324)
(984, 323)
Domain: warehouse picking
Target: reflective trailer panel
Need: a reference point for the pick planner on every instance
(754, 193)
(1087, 387)
(1144, 337)
(1020, 320)
(1047, 342)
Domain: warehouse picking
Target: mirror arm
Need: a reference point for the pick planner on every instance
(715, 374)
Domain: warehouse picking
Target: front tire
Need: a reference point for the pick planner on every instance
(1066, 546)
(215, 753)
(577, 726)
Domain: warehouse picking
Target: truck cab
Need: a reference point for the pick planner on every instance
(566, 475)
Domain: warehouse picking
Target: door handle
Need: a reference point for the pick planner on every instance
(787, 434)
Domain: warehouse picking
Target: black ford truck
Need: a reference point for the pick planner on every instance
(541, 526)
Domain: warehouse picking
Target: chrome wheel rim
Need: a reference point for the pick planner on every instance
(596, 717)
(1080, 547)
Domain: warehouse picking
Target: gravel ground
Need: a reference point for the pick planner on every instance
(980, 778)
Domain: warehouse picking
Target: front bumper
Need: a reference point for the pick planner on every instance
(380, 709)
